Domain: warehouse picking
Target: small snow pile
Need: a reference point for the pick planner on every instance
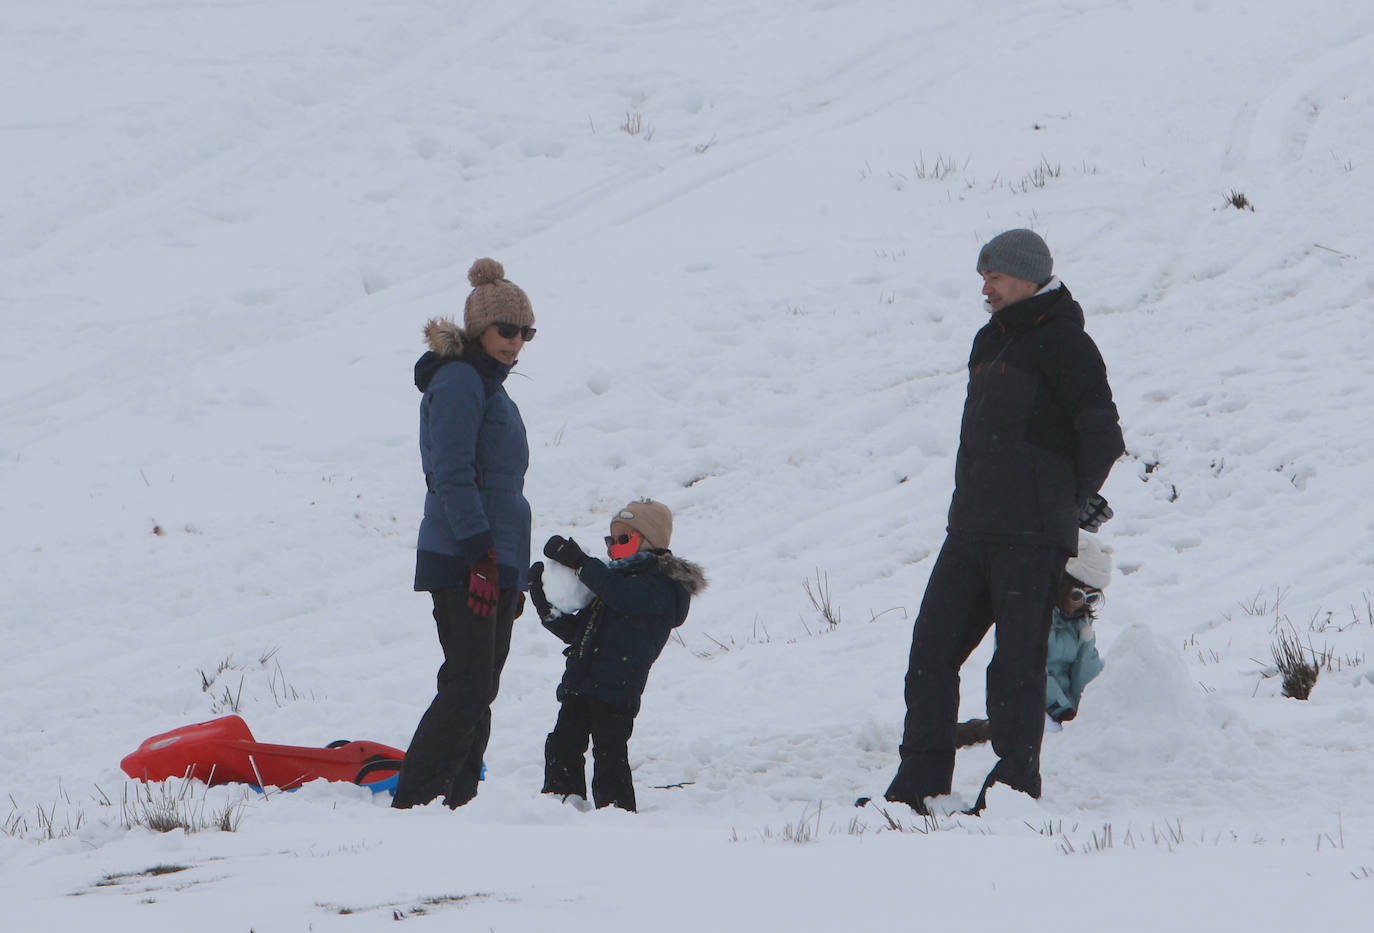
(1144, 710)
(1011, 807)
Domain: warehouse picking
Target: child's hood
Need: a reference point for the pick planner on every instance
(690, 575)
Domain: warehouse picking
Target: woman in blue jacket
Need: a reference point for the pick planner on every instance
(637, 600)
(474, 542)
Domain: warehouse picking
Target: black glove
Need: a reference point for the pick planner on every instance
(567, 628)
(565, 551)
(541, 602)
(1093, 513)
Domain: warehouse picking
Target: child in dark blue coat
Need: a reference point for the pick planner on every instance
(637, 600)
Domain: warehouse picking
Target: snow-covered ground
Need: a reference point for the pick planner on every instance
(748, 230)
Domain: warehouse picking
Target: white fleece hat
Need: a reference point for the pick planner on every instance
(1093, 565)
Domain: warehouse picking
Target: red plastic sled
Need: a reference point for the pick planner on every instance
(222, 751)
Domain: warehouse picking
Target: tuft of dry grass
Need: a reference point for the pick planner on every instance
(1299, 671)
(1239, 201)
(820, 599)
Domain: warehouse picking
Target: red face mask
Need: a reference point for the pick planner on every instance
(619, 546)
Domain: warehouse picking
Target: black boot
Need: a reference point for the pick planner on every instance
(971, 732)
(562, 779)
(899, 791)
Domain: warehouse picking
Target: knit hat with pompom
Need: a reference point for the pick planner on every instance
(494, 300)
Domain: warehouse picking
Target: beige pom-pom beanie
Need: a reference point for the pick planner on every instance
(494, 300)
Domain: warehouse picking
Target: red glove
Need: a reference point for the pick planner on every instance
(483, 586)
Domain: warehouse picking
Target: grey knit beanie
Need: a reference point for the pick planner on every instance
(494, 300)
(1018, 253)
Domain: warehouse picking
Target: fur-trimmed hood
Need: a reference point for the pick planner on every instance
(445, 337)
(448, 342)
(685, 572)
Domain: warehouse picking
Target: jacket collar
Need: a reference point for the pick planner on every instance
(1050, 301)
(492, 371)
(487, 366)
(687, 574)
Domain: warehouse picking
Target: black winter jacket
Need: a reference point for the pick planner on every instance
(615, 639)
(1039, 432)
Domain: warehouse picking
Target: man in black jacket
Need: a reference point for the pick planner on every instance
(1038, 438)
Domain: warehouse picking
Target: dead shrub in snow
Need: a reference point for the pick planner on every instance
(1239, 201)
(1298, 669)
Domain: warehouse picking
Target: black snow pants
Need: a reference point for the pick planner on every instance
(976, 585)
(445, 754)
(565, 770)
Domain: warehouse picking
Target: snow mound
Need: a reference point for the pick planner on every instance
(1144, 711)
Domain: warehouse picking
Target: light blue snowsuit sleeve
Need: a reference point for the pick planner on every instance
(1073, 662)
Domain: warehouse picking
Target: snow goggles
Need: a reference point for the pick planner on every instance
(619, 546)
(1093, 599)
(507, 331)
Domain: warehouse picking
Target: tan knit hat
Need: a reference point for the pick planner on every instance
(494, 300)
(653, 520)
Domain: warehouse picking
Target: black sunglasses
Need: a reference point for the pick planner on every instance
(619, 539)
(507, 331)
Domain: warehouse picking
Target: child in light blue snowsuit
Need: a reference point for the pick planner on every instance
(1073, 658)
